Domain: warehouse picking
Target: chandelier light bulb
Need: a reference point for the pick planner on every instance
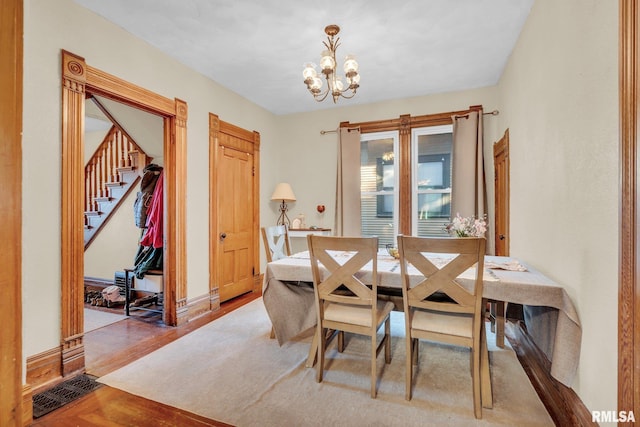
(316, 84)
(335, 84)
(350, 65)
(327, 63)
(309, 72)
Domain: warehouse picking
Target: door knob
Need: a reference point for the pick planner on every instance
(501, 237)
(223, 236)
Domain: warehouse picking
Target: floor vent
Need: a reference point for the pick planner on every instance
(63, 393)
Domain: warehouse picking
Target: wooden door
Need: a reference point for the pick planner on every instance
(235, 204)
(501, 177)
(234, 239)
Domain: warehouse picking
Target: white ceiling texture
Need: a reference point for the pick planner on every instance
(258, 48)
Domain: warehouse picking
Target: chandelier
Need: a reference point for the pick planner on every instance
(335, 85)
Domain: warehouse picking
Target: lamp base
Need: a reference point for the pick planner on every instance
(283, 219)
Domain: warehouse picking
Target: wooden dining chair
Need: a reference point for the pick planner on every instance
(456, 320)
(276, 242)
(343, 302)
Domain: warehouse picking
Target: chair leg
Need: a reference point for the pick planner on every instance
(322, 342)
(340, 341)
(313, 351)
(374, 358)
(416, 347)
(477, 403)
(272, 335)
(485, 373)
(408, 367)
(387, 337)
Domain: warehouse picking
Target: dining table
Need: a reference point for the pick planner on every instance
(290, 303)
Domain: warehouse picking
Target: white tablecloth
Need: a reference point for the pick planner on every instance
(288, 298)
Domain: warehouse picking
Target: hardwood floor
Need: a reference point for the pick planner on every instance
(116, 345)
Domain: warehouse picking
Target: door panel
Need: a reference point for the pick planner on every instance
(235, 220)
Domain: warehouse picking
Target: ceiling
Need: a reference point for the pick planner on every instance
(258, 48)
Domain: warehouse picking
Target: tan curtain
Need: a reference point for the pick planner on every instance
(347, 215)
(468, 181)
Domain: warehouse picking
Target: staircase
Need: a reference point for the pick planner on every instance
(110, 175)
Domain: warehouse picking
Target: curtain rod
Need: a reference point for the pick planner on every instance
(322, 132)
(493, 113)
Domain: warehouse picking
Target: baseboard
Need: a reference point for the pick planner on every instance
(97, 282)
(198, 306)
(563, 404)
(44, 368)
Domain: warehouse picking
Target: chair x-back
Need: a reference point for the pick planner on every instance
(276, 242)
(456, 319)
(343, 302)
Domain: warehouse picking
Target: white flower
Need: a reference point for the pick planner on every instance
(467, 227)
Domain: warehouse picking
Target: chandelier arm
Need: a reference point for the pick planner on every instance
(323, 96)
(347, 97)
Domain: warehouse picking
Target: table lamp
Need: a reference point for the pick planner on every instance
(284, 194)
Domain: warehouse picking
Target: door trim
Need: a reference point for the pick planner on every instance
(628, 283)
(216, 126)
(13, 409)
(78, 78)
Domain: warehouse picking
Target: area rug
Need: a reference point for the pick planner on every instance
(95, 319)
(231, 371)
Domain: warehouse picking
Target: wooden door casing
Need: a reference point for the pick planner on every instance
(234, 214)
(79, 78)
(501, 186)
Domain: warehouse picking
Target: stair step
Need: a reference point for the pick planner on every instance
(126, 169)
(103, 199)
(114, 184)
(93, 213)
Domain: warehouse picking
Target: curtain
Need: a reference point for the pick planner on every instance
(347, 214)
(469, 196)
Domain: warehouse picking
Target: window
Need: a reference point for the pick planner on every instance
(430, 177)
(406, 174)
(431, 188)
(378, 184)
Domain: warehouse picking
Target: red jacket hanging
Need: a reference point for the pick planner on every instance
(154, 234)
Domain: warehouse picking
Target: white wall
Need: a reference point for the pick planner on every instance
(49, 27)
(559, 99)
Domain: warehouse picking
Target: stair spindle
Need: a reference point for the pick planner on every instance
(123, 151)
(103, 175)
(93, 190)
(87, 194)
(113, 167)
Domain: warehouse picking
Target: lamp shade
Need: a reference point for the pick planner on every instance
(284, 192)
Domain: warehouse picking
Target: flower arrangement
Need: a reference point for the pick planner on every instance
(467, 226)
